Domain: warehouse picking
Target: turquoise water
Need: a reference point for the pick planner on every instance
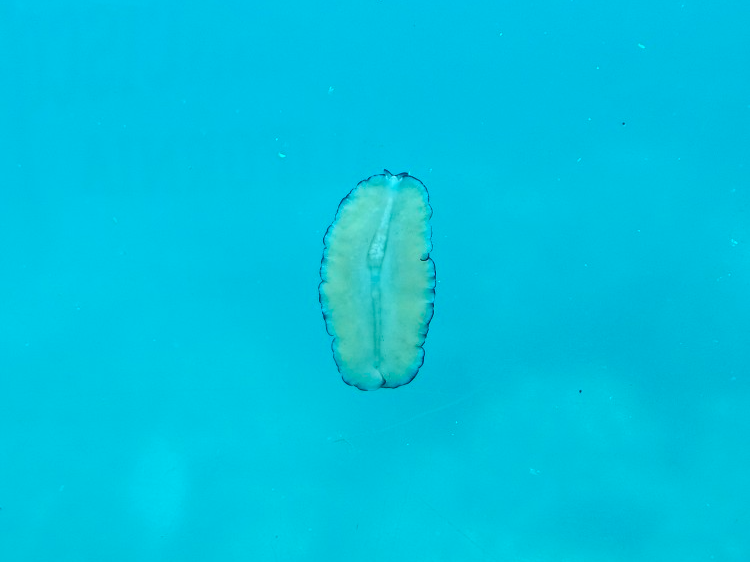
(167, 173)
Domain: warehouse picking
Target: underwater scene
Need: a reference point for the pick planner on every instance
(374, 281)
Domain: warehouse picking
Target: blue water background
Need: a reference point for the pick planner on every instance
(167, 173)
